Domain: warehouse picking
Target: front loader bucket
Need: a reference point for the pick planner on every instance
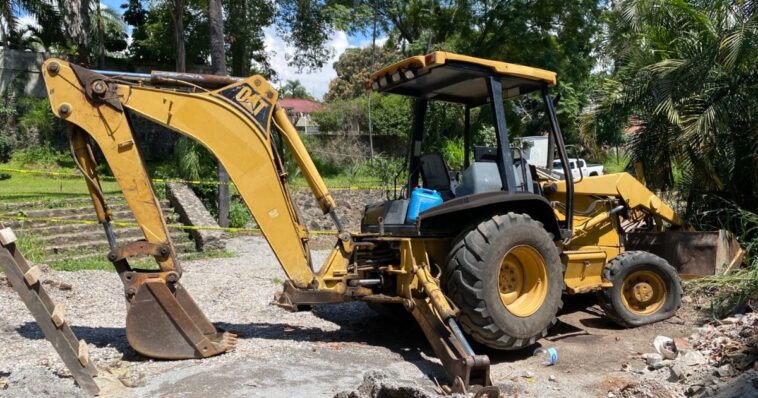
(165, 323)
(693, 254)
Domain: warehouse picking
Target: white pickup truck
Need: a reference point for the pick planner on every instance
(535, 149)
(587, 169)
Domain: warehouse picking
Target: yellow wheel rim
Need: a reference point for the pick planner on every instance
(643, 292)
(522, 281)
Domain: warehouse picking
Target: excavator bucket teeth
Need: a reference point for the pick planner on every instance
(165, 323)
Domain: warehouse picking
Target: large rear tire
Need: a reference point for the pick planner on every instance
(506, 277)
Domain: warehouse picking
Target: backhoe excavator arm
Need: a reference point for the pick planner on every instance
(236, 123)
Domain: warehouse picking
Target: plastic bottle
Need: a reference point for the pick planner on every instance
(548, 355)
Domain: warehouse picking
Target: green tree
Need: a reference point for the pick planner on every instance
(247, 51)
(154, 37)
(685, 72)
(353, 68)
(551, 34)
(294, 89)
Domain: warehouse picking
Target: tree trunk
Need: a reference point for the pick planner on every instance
(76, 20)
(240, 37)
(218, 67)
(100, 39)
(218, 56)
(181, 65)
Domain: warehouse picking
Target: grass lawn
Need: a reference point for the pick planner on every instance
(102, 264)
(33, 187)
(338, 182)
(22, 187)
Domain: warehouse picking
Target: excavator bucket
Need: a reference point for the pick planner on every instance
(693, 254)
(164, 322)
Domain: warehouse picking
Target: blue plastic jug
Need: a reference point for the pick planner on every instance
(421, 199)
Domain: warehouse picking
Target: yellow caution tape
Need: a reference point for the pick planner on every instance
(134, 224)
(175, 180)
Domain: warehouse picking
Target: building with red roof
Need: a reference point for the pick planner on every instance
(299, 110)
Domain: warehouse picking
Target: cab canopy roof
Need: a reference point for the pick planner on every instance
(457, 78)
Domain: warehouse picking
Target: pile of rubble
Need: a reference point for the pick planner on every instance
(706, 362)
(732, 344)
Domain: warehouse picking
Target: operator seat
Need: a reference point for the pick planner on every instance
(436, 175)
(483, 175)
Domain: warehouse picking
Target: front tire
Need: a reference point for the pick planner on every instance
(506, 277)
(646, 289)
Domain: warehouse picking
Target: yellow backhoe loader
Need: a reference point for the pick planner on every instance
(490, 258)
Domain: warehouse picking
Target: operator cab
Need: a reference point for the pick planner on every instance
(433, 198)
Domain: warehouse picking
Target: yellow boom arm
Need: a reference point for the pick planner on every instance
(234, 123)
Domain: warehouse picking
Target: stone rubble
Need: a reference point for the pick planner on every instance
(709, 362)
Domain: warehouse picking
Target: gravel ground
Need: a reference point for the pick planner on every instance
(279, 353)
(310, 354)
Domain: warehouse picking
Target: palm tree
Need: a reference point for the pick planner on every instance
(294, 89)
(686, 72)
(9, 11)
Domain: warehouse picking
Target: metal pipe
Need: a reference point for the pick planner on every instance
(466, 137)
(459, 335)
(504, 155)
(337, 221)
(365, 282)
(414, 145)
(202, 80)
(174, 78)
(569, 177)
(122, 74)
(109, 234)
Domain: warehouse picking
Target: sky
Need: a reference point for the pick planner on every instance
(316, 82)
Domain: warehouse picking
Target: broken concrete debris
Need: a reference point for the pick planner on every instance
(378, 384)
(704, 363)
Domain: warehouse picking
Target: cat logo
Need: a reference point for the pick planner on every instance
(251, 102)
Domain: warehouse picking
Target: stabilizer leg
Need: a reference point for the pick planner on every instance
(461, 364)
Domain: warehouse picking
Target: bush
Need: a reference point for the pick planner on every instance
(239, 215)
(37, 122)
(391, 172)
(453, 153)
(194, 162)
(6, 147)
(391, 115)
(43, 155)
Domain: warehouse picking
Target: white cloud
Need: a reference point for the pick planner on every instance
(316, 82)
(367, 42)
